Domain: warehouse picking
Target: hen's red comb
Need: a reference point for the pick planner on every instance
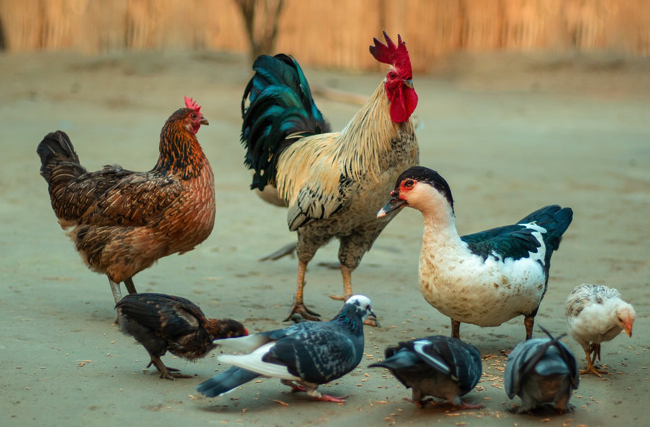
(191, 104)
(395, 55)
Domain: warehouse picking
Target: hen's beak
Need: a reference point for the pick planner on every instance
(393, 204)
(204, 121)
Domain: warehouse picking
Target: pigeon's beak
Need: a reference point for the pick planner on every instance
(393, 204)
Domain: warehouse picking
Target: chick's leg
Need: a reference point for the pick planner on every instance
(592, 352)
(165, 372)
(298, 303)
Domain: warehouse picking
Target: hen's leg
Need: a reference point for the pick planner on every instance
(298, 303)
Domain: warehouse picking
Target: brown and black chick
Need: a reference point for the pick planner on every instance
(165, 322)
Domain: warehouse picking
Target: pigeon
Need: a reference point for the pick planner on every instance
(539, 371)
(596, 313)
(485, 278)
(165, 322)
(303, 356)
(436, 366)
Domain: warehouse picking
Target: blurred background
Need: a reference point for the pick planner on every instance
(331, 34)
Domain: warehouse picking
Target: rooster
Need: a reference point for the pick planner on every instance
(332, 183)
(165, 322)
(122, 221)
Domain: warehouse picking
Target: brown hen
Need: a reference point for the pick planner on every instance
(165, 322)
(122, 221)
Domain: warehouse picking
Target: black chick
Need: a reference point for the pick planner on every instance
(436, 366)
(165, 322)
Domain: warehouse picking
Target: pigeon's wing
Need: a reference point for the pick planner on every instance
(571, 363)
(316, 352)
(403, 362)
(521, 360)
(459, 361)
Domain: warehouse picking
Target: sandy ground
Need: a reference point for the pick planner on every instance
(511, 133)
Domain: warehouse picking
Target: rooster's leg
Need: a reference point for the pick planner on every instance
(298, 304)
(130, 286)
(347, 284)
(115, 288)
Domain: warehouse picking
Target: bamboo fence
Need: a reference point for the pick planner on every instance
(332, 33)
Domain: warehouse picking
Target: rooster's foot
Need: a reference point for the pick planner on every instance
(302, 310)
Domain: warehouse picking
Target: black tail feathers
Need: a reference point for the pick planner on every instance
(55, 146)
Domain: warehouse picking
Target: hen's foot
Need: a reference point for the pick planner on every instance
(285, 250)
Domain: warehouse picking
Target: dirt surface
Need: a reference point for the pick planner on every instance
(510, 133)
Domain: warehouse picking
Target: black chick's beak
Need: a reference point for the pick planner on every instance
(393, 204)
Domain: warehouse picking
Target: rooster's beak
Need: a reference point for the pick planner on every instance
(393, 204)
(408, 83)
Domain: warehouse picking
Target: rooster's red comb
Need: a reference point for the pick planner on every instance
(191, 104)
(395, 55)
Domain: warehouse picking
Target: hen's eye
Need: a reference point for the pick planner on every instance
(193, 116)
(408, 183)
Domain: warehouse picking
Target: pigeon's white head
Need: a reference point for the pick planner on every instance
(362, 303)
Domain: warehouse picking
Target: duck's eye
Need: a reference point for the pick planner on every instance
(408, 183)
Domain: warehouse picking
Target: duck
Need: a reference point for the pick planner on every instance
(485, 278)
(595, 314)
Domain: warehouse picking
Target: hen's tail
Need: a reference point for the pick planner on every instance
(280, 110)
(226, 381)
(56, 151)
(555, 220)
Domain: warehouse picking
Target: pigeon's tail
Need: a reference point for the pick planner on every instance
(226, 381)
(396, 360)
